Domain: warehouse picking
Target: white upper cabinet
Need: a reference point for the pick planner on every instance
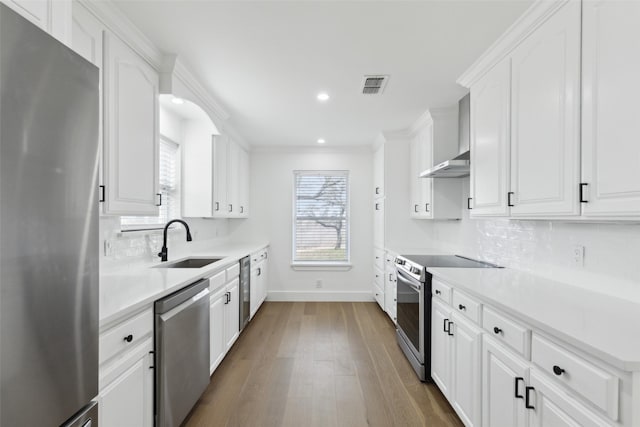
(378, 172)
(87, 35)
(53, 16)
(490, 165)
(244, 169)
(434, 141)
(545, 114)
(131, 131)
(216, 175)
(610, 111)
(220, 165)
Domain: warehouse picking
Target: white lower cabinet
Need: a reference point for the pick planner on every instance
(217, 344)
(550, 406)
(259, 280)
(455, 361)
(441, 347)
(504, 377)
(126, 373)
(465, 370)
(511, 375)
(224, 314)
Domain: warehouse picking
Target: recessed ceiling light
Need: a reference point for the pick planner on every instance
(321, 141)
(177, 101)
(323, 96)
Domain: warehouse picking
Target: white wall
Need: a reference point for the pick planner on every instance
(271, 219)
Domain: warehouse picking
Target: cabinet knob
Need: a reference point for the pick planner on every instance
(128, 338)
(461, 307)
(558, 370)
(497, 330)
(438, 292)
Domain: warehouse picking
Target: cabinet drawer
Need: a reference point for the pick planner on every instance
(506, 330)
(125, 335)
(378, 277)
(440, 290)
(378, 295)
(466, 305)
(588, 380)
(216, 281)
(378, 258)
(233, 272)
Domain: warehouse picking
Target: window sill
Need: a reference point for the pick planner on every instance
(321, 266)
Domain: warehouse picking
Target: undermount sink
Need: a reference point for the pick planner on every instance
(189, 263)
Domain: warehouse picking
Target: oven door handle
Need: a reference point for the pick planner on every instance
(407, 281)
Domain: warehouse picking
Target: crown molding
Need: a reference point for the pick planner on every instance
(530, 20)
(299, 149)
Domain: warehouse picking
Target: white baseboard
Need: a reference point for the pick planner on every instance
(324, 296)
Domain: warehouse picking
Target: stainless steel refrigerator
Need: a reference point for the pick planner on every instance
(48, 229)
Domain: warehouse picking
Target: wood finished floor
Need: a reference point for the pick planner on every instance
(319, 364)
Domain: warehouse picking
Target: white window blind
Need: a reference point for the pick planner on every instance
(169, 179)
(321, 217)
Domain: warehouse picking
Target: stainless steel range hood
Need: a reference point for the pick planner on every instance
(457, 167)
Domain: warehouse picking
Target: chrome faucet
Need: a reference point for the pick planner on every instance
(164, 252)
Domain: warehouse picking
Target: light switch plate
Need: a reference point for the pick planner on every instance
(578, 255)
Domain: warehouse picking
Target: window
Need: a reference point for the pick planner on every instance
(321, 217)
(169, 177)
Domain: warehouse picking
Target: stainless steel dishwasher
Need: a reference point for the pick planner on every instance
(181, 352)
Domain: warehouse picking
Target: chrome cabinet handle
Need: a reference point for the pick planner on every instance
(217, 206)
(230, 208)
(415, 208)
(102, 193)
(159, 199)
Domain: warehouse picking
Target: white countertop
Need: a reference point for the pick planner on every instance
(127, 290)
(401, 250)
(602, 325)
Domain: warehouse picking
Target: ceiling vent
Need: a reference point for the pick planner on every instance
(374, 85)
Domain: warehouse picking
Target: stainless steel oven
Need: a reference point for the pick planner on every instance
(410, 317)
(413, 295)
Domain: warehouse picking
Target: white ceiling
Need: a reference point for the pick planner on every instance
(265, 61)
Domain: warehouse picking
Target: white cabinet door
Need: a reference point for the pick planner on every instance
(126, 398)
(421, 158)
(378, 223)
(552, 407)
(490, 162)
(378, 172)
(504, 377)
(414, 187)
(220, 158)
(425, 185)
(233, 178)
(53, 16)
(610, 112)
(217, 334)
(131, 131)
(232, 314)
(244, 183)
(263, 273)
(441, 347)
(87, 39)
(255, 298)
(465, 369)
(545, 126)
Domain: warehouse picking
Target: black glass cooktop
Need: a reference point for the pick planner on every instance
(451, 261)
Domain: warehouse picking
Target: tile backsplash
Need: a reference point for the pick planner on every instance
(121, 249)
(547, 248)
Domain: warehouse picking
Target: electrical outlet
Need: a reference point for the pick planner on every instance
(578, 255)
(319, 283)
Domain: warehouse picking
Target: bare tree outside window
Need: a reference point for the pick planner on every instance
(321, 216)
